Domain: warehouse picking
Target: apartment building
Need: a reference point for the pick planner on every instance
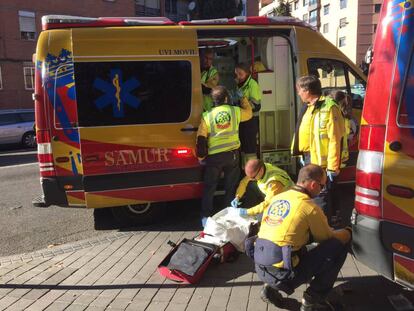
(348, 24)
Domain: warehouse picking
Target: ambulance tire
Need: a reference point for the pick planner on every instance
(138, 214)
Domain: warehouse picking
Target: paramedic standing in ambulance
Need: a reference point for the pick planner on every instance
(318, 136)
(281, 259)
(270, 179)
(248, 88)
(209, 77)
(218, 144)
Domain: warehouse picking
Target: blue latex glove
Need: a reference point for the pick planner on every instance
(331, 175)
(235, 203)
(203, 221)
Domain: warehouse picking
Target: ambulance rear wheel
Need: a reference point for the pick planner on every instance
(138, 214)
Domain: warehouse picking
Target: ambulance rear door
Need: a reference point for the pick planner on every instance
(398, 182)
(397, 229)
(139, 107)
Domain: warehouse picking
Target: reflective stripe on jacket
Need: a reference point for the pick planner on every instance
(223, 128)
(273, 173)
(345, 149)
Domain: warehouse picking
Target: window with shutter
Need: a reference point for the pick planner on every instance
(27, 23)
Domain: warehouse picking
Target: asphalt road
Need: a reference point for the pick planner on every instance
(24, 228)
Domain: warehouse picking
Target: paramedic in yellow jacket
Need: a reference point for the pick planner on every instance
(289, 222)
(248, 88)
(319, 135)
(270, 179)
(218, 144)
(209, 77)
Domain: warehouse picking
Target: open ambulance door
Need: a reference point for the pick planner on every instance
(269, 51)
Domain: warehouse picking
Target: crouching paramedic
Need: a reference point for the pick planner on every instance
(281, 259)
(270, 179)
(218, 142)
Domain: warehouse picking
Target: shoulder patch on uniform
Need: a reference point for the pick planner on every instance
(277, 212)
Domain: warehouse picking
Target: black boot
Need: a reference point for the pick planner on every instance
(271, 295)
(315, 303)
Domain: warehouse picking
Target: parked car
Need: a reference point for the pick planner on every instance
(16, 127)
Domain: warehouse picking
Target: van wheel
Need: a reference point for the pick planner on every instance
(29, 140)
(138, 214)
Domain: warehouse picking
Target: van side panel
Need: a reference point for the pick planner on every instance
(398, 181)
(398, 164)
(139, 105)
(389, 103)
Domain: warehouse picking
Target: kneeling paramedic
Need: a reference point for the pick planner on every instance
(281, 259)
(270, 180)
(218, 144)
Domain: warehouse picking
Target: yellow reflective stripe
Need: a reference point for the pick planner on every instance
(322, 136)
(233, 117)
(230, 144)
(212, 125)
(318, 142)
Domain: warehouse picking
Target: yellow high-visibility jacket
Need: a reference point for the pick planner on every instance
(327, 132)
(274, 181)
(291, 217)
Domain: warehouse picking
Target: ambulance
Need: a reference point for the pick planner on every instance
(118, 102)
(383, 219)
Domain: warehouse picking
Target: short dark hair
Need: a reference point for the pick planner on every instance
(311, 172)
(219, 94)
(310, 83)
(244, 66)
(207, 51)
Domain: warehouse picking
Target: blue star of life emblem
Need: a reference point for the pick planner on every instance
(117, 93)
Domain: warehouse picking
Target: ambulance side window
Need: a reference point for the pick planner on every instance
(133, 92)
(336, 75)
(330, 72)
(405, 114)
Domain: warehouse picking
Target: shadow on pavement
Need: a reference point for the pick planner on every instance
(370, 293)
(176, 216)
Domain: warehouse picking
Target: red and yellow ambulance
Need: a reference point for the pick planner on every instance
(383, 220)
(118, 102)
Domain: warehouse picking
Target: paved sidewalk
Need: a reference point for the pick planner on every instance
(118, 272)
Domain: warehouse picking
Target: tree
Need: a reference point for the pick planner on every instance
(208, 9)
(282, 9)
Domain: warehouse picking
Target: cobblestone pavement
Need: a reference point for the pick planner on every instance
(118, 272)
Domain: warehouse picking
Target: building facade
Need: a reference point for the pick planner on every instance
(348, 24)
(20, 25)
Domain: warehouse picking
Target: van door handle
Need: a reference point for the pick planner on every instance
(400, 191)
(189, 129)
(91, 158)
(395, 145)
